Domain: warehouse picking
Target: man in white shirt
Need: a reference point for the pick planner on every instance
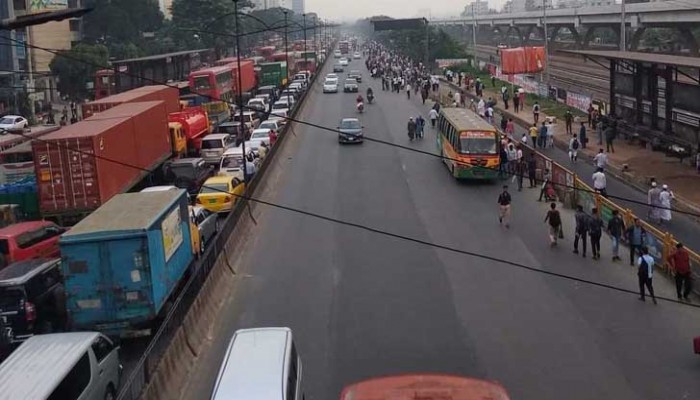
(600, 182)
(433, 116)
(601, 159)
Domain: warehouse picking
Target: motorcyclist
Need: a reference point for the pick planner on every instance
(359, 99)
(370, 94)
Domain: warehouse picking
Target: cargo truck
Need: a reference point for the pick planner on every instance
(123, 262)
(169, 95)
(81, 166)
(192, 123)
(273, 74)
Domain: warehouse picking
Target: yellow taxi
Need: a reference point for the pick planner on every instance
(220, 193)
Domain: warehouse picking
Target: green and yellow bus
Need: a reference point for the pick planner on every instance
(468, 144)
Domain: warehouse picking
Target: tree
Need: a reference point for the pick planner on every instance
(76, 66)
(412, 43)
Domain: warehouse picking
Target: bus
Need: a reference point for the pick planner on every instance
(424, 386)
(344, 47)
(468, 144)
(265, 52)
(104, 83)
(16, 163)
(214, 83)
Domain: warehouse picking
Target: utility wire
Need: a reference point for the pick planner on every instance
(368, 138)
(378, 231)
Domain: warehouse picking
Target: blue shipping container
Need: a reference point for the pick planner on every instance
(123, 261)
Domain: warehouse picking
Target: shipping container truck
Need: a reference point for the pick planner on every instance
(344, 47)
(306, 65)
(81, 166)
(273, 74)
(123, 262)
(170, 96)
(193, 123)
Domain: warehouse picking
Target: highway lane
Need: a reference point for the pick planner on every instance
(363, 304)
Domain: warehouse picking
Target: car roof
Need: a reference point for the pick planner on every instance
(349, 120)
(260, 130)
(254, 365)
(20, 227)
(159, 188)
(218, 179)
(11, 116)
(19, 272)
(238, 150)
(40, 364)
(215, 136)
(190, 161)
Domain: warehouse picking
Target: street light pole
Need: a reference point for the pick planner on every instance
(546, 44)
(474, 26)
(623, 28)
(286, 55)
(240, 95)
(305, 55)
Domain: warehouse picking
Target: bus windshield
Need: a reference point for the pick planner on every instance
(201, 82)
(478, 143)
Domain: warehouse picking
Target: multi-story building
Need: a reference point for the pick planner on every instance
(298, 6)
(507, 7)
(584, 3)
(537, 5)
(478, 7)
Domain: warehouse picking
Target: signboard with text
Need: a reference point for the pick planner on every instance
(47, 5)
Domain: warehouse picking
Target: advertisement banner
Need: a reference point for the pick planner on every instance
(578, 101)
(448, 62)
(171, 227)
(47, 5)
(522, 60)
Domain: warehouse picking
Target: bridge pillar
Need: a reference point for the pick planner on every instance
(689, 39)
(636, 38)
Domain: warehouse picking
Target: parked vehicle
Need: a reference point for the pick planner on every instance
(338, 68)
(220, 193)
(277, 363)
(269, 90)
(168, 95)
(250, 119)
(28, 240)
(273, 73)
(214, 146)
(123, 262)
(193, 123)
(188, 173)
(66, 366)
(258, 137)
(32, 298)
(205, 222)
(11, 123)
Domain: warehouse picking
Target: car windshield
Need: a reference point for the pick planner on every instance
(230, 129)
(7, 121)
(331, 81)
(268, 125)
(482, 145)
(214, 188)
(201, 83)
(279, 106)
(232, 161)
(212, 144)
(350, 124)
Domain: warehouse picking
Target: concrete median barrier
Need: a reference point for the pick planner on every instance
(173, 367)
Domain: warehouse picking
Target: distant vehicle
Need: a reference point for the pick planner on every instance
(232, 128)
(27, 240)
(350, 131)
(424, 386)
(338, 68)
(257, 104)
(205, 221)
(214, 145)
(188, 173)
(33, 298)
(232, 162)
(75, 365)
(273, 125)
(257, 138)
(357, 75)
(336, 54)
(357, 55)
(269, 90)
(332, 76)
(250, 119)
(280, 116)
(350, 86)
(13, 123)
(330, 86)
(298, 86)
(279, 107)
(344, 62)
(220, 193)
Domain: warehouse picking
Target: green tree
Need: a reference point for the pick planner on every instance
(75, 67)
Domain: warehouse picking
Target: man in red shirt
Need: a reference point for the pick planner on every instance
(680, 262)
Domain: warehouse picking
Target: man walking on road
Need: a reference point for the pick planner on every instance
(533, 131)
(595, 229)
(600, 182)
(680, 263)
(636, 236)
(433, 114)
(653, 202)
(573, 148)
(516, 102)
(532, 171)
(504, 201)
(645, 263)
(554, 220)
(601, 159)
(542, 136)
(581, 230)
(536, 112)
(616, 227)
(569, 120)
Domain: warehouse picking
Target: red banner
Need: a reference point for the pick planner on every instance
(522, 60)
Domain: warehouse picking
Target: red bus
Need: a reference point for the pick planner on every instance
(215, 83)
(424, 386)
(265, 51)
(104, 83)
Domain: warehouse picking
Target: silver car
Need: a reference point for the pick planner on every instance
(214, 145)
(206, 225)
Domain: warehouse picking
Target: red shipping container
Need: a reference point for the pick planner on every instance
(247, 75)
(72, 181)
(169, 95)
(522, 60)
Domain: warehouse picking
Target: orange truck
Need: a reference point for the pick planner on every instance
(193, 122)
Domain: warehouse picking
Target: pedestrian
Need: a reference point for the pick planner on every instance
(665, 198)
(636, 237)
(573, 148)
(568, 120)
(533, 131)
(493, 81)
(550, 135)
(609, 138)
(503, 164)
(481, 107)
(532, 171)
(506, 97)
(433, 115)
(408, 90)
(411, 128)
(590, 115)
(547, 177)
(581, 230)
(458, 97)
(645, 263)
(420, 125)
(504, 201)
(680, 263)
(554, 220)
(510, 128)
(582, 135)
(542, 137)
(249, 170)
(520, 171)
(601, 159)
(536, 112)
(489, 114)
(616, 227)
(472, 105)
(516, 102)
(653, 201)
(599, 132)
(595, 231)
(524, 138)
(521, 96)
(504, 123)
(600, 182)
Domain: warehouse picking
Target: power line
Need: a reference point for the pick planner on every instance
(378, 231)
(368, 138)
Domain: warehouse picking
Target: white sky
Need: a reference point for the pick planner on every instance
(354, 9)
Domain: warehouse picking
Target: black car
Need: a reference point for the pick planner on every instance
(350, 131)
(357, 75)
(350, 86)
(188, 173)
(338, 68)
(32, 299)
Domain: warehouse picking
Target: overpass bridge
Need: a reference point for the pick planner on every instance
(583, 23)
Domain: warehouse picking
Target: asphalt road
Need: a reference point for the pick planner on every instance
(362, 304)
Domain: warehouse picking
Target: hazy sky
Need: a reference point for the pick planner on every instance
(353, 9)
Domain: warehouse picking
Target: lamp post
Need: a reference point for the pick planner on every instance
(623, 28)
(239, 92)
(546, 45)
(305, 55)
(474, 26)
(286, 54)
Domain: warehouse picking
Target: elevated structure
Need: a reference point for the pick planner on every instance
(583, 22)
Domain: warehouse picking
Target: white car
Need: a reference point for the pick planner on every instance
(332, 76)
(13, 123)
(258, 104)
(330, 86)
(336, 54)
(257, 138)
(343, 62)
(357, 55)
(279, 115)
(271, 124)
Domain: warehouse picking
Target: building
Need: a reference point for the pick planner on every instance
(478, 7)
(166, 7)
(518, 6)
(298, 6)
(536, 5)
(507, 7)
(265, 4)
(584, 3)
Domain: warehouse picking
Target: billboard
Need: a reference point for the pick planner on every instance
(47, 5)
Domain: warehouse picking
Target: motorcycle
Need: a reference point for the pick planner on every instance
(370, 98)
(360, 107)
